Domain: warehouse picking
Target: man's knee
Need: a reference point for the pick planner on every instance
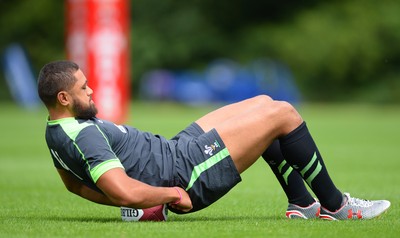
(286, 108)
(281, 114)
(287, 114)
(262, 100)
(270, 106)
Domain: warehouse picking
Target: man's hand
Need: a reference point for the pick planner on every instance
(184, 203)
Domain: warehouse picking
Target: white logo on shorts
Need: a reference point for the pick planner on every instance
(209, 149)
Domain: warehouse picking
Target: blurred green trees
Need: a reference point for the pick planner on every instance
(337, 50)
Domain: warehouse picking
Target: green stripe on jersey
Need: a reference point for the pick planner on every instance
(199, 169)
(70, 126)
(103, 167)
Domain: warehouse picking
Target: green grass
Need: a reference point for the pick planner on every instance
(360, 145)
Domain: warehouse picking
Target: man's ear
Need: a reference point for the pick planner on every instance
(63, 98)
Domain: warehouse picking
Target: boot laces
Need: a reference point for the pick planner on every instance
(358, 202)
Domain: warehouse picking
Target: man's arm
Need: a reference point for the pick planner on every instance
(122, 190)
(75, 186)
(125, 191)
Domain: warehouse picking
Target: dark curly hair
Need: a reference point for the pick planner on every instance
(55, 77)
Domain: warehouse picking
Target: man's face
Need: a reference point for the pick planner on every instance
(82, 103)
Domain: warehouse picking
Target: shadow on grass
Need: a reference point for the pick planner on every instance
(183, 218)
(69, 219)
(171, 219)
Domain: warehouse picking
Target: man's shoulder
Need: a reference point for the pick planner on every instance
(70, 126)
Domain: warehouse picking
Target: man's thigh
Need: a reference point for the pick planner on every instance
(225, 113)
(205, 168)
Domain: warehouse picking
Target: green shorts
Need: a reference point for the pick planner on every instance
(204, 167)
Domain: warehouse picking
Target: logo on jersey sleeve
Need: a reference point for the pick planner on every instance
(121, 128)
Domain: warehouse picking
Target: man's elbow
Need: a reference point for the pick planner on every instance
(70, 183)
(73, 189)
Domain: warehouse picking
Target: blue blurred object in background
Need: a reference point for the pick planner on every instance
(223, 81)
(19, 77)
(275, 79)
(190, 88)
(157, 85)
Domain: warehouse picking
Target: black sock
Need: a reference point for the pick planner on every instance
(302, 154)
(290, 180)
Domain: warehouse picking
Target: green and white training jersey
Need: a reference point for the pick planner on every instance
(89, 148)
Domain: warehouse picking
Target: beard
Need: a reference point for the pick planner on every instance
(84, 112)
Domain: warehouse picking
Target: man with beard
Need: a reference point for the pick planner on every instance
(119, 165)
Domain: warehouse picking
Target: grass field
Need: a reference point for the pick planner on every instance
(360, 145)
